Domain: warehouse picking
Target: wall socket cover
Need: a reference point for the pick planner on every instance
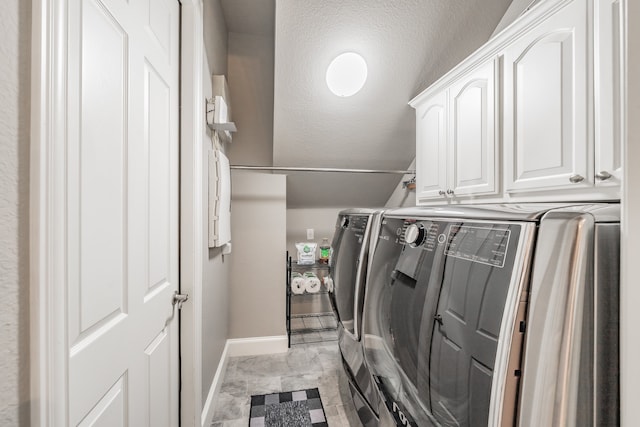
(309, 233)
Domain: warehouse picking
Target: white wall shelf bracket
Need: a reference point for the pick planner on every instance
(218, 118)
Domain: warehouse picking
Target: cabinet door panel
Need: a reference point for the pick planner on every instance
(431, 149)
(473, 136)
(546, 138)
(608, 143)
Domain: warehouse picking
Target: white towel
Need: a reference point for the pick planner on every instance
(298, 283)
(328, 283)
(312, 283)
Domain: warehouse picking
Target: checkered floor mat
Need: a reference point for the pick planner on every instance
(289, 409)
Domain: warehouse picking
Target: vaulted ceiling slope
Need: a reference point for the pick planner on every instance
(407, 44)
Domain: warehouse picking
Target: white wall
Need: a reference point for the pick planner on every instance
(215, 268)
(258, 268)
(15, 51)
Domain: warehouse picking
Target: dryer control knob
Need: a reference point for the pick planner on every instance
(414, 234)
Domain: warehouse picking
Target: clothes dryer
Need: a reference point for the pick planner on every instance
(349, 267)
(495, 315)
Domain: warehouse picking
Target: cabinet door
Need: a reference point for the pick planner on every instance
(545, 111)
(431, 148)
(472, 144)
(607, 57)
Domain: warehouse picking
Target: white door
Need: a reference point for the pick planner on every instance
(431, 147)
(473, 136)
(546, 135)
(121, 192)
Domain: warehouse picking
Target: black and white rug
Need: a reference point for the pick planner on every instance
(289, 409)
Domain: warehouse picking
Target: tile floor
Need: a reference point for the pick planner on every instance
(303, 366)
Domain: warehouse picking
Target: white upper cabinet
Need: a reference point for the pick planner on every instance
(456, 134)
(431, 150)
(533, 115)
(608, 142)
(472, 130)
(546, 133)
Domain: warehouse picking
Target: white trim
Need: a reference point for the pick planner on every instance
(630, 245)
(47, 214)
(214, 390)
(192, 230)
(257, 346)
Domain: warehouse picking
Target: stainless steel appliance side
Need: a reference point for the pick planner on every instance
(558, 374)
(495, 212)
(358, 211)
(351, 348)
(607, 338)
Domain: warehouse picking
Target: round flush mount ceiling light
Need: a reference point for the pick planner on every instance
(346, 74)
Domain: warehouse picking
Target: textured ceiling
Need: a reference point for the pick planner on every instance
(407, 44)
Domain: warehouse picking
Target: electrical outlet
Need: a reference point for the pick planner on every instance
(309, 233)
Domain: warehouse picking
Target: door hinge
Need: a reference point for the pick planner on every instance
(179, 299)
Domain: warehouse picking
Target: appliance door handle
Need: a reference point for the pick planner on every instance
(362, 262)
(438, 319)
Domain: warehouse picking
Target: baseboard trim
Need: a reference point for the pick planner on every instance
(257, 345)
(206, 417)
(239, 347)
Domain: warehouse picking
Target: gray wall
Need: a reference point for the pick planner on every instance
(215, 37)
(258, 233)
(402, 197)
(215, 274)
(516, 8)
(251, 85)
(15, 18)
(15, 51)
(322, 220)
(258, 203)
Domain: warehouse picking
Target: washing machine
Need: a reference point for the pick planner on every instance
(495, 315)
(349, 265)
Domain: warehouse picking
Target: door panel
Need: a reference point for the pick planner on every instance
(157, 114)
(99, 162)
(122, 212)
(431, 148)
(110, 410)
(473, 142)
(158, 359)
(546, 118)
(160, 15)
